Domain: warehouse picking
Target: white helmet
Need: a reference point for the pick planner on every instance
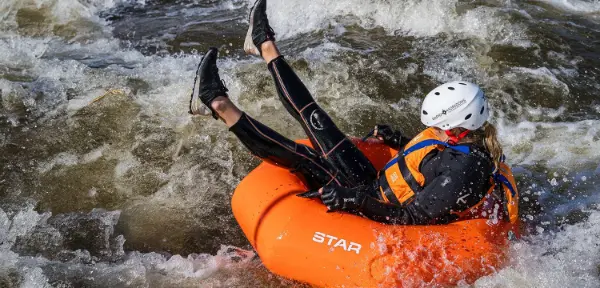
(455, 104)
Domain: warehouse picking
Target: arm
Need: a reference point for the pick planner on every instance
(461, 184)
(392, 138)
(454, 189)
(434, 203)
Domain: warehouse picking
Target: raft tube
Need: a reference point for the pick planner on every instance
(296, 238)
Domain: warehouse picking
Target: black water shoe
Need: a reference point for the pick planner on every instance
(207, 84)
(259, 30)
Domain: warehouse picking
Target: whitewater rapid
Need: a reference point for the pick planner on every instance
(107, 181)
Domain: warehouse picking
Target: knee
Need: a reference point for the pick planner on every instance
(318, 119)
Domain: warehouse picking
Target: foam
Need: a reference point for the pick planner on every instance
(415, 18)
(544, 74)
(40, 61)
(58, 11)
(566, 259)
(34, 278)
(62, 159)
(126, 163)
(562, 144)
(576, 6)
(134, 269)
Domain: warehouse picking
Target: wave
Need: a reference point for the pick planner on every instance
(576, 6)
(71, 19)
(409, 17)
(565, 259)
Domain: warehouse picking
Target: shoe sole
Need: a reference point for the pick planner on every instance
(196, 106)
(249, 46)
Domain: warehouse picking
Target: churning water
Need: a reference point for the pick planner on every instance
(107, 182)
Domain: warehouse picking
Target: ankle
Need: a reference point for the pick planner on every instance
(226, 110)
(220, 104)
(269, 51)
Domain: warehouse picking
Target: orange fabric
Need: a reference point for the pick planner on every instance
(413, 160)
(297, 239)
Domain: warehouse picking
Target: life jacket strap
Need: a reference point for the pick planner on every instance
(407, 175)
(387, 191)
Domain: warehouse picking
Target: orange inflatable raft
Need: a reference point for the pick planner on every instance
(297, 239)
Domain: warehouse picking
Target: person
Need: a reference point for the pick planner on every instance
(446, 173)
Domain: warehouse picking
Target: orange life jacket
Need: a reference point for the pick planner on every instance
(402, 179)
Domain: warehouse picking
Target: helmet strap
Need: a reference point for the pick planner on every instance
(453, 139)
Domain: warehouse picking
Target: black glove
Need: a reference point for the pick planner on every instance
(390, 137)
(338, 198)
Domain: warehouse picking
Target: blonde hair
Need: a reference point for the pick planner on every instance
(487, 136)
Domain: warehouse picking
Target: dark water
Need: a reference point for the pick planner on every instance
(105, 177)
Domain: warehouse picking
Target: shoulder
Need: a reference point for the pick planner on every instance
(477, 159)
(475, 152)
(479, 152)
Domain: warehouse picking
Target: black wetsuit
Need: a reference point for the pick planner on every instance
(453, 181)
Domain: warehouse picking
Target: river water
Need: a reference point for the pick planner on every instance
(106, 181)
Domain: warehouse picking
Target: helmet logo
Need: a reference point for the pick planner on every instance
(450, 109)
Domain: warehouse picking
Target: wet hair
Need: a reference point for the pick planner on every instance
(486, 136)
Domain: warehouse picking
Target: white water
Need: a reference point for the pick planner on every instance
(416, 18)
(576, 6)
(568, 258)
(565, 258)
(134, 270)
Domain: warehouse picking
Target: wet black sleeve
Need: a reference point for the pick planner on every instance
(403, 142)
(395, 139)
(461, 183)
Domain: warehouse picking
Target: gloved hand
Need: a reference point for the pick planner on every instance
(338, 198)
(390, 137)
